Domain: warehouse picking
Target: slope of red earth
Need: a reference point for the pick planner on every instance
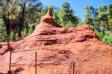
(56, 48)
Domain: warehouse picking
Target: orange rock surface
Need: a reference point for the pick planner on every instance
(56, 48)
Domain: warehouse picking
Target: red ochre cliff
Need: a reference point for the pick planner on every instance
(56, 48)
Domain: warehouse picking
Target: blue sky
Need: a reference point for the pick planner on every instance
(77, 5)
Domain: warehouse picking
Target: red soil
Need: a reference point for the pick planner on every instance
(56, 48)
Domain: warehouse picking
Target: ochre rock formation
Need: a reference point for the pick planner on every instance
(56, 48)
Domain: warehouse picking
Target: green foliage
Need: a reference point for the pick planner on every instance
(2, 27)
(24, 33)
(44, 11)
(70, 24)
(101, 16)
(107, 37)
(4, 37)
(99, 34)
(14, 10)
(32, 27)
(13, 36)
(65, 16)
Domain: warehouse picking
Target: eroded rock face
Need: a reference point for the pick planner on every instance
(56, 48)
